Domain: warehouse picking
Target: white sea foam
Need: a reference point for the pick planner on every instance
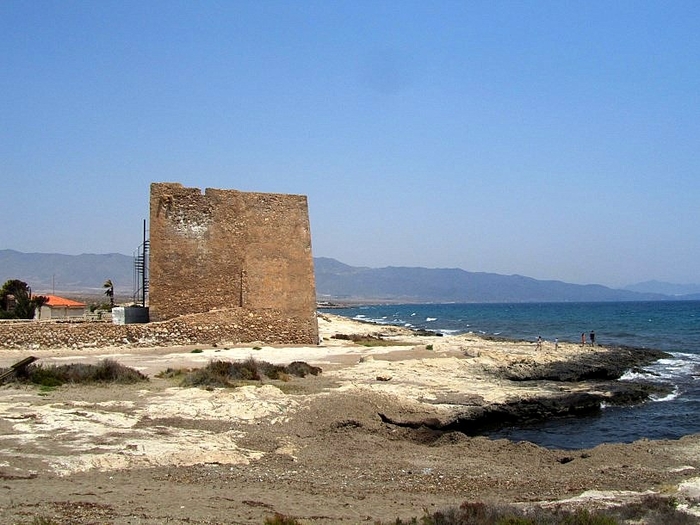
(365, 319)
(429, 319)
(668, 397)
(678, 368)
(635, 375)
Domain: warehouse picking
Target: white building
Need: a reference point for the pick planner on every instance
(60, 308)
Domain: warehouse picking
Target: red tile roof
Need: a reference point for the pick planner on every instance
(55, 300)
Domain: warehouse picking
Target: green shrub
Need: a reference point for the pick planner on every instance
(368, 340)
(655, 509)
(215, 374)
(651, 510)
(106, 371)
(478, 513)
(46, 377)
(585, 517)
(247, 370)
(41, 520)
(280, 519)
(270, 370)
(301, 369)
(170, 373)
(227, 373)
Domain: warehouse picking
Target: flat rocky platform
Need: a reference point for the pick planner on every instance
(383, 432)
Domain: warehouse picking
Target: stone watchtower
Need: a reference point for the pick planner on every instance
(231, 249)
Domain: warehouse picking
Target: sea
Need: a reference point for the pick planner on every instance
(671, 326)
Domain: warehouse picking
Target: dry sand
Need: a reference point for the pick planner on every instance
(318, 448)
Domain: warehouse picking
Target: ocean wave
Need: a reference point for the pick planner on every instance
(636, 375)
(374, 320)
(430, 319)
(679, 366)
(668, 397)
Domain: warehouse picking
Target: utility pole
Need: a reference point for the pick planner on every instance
(144, 279)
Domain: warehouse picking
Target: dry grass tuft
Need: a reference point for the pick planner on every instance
(230, 373)
(652, 510)
(106, 371)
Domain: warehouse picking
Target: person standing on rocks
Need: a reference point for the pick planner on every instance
(583, 339)
(592, 337)
(539, 343)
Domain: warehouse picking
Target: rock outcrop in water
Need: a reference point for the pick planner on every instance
(574, 386)
(584, 367)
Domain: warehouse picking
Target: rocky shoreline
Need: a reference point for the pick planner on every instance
(595, 371)
(473, 418)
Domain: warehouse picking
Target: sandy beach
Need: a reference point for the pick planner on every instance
(383, 432)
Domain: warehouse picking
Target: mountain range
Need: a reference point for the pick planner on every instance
(68, 274)
(665, 288)
(338, 282)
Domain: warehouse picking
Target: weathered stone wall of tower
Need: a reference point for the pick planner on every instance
(231, 249)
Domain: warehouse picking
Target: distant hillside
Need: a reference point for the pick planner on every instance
(335, 281)
(665, 288)
(86, 273)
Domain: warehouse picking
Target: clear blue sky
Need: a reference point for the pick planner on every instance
(558, 140)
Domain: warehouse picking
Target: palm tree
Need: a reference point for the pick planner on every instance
(109, 292)
(37, 302)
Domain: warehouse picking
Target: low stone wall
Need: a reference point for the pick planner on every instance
(221, 327)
